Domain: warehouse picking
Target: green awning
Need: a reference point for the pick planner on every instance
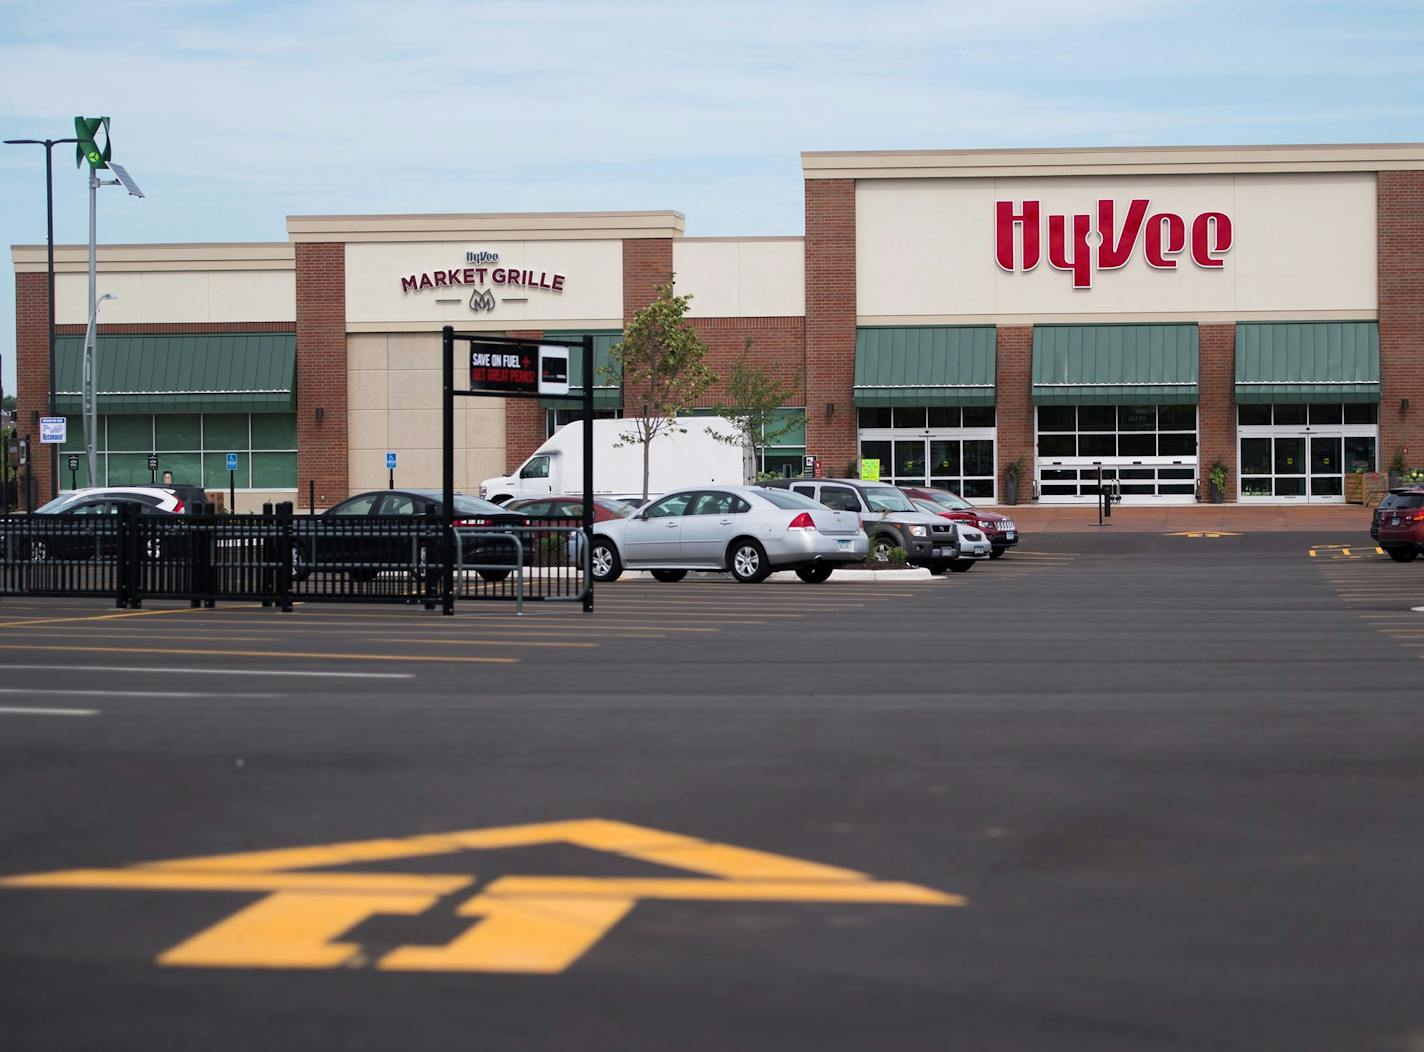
(246, 372)
(606, 394)
(1313, 361)
(924, 365)
(1115, 364)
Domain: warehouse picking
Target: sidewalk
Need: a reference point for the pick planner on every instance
(1233, 518)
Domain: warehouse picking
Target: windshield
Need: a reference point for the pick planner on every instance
(58, 502)
(950, 500)
(883, 498)
(618, 507)
(1392, 500)
(788, 500)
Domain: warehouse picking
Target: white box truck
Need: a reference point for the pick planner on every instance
(688, 454)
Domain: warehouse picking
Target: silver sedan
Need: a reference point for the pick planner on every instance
(746, 531)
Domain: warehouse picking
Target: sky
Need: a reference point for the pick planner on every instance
(233, 115)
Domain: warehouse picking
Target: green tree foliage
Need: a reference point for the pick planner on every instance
(753, 396)
(660, 362)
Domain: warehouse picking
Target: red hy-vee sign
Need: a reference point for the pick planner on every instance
(1018, 241)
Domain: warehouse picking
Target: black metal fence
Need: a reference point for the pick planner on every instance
(280, 558)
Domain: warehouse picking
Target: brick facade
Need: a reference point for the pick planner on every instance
(524, 420)
(778, 346)
(32, 374)
(1013, 376)
(1400, 219)
(321, 370)
(647, 263)
(1216, 415)
(831, 430)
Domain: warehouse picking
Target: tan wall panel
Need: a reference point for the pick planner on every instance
(1301, 243)
(168, 297)
(367, 389)
(755, 278)
(593, 286)
(414, 389)
(367, 352)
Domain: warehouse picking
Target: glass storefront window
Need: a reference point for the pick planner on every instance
(1303, 451)
(1289, 414)
(1057, 418)
(945, 416)
(979, 416)
(932, 446)
(1132, 441)
(873, 416)
(1253, 415)
(911, 418)
(1325, 414)
(1361, 413)
(194, 448)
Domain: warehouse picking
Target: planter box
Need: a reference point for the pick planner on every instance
(1355, 487)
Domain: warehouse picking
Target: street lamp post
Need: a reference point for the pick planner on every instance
(49, 145)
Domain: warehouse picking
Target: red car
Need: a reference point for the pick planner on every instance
(1398, 524)
(570, 507)
(1000, 529)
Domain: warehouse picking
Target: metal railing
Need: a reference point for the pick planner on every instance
(279, 558)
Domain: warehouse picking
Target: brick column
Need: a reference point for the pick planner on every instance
(831, 433)
(1013, 378)
(647, 263)
(1216, 415)
(32, 375)
(321, 370)
(524, 420)
(1400, 218)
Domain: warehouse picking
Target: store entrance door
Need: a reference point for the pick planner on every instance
(1299, 467)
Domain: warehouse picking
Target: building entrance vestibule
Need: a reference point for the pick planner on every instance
(1148, 453)
(944, 447)
(1292, 452)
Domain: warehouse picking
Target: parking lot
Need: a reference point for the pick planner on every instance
(1114, 791)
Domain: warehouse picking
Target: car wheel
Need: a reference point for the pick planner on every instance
(1402, 555)
(494, 576)
(814, 574)
(962, 566)
(301, 568)
(997, 553)
(669, 576)
(746, 559)
(938, 567)
(880, 546)
(606, 564)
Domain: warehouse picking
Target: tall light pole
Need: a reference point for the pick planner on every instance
(49, 145)
(91, 390)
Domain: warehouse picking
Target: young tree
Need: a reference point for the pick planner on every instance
(754, 395)
(659, 361)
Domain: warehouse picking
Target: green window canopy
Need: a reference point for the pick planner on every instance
(606, 394)
(930, 365)
(247, 372)
(1115, 364)
(1314, 361)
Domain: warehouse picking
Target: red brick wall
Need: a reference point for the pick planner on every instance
(1013, 376)
(1400, 217)
(830, 322)
(1216, 415)
(32, 372)
(647, 263)
(778, 346)
(524, 420)
(321, 370)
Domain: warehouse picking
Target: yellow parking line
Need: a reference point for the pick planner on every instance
(492, 642)
(261, 654)
(97, 617)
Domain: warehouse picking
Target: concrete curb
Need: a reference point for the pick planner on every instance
(919, 575)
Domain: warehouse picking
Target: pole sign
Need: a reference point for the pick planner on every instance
(231, 462)
(390, 461)
(553, 370)
(53, 430)
(808, 466)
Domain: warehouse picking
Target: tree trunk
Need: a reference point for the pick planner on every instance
(647, 441)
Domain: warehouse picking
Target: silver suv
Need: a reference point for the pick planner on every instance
(891, 520)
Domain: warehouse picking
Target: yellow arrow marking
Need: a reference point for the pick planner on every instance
(1204, 533)
(527, 924)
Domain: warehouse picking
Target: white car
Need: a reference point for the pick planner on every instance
(99, 500)
(746, 531)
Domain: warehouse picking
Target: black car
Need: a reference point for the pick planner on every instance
(374, 532)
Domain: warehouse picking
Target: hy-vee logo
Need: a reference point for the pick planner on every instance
(1076, 245)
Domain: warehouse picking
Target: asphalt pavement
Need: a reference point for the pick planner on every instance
(1113, 791)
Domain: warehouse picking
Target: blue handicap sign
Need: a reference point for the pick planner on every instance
(232, 461)
(390, 461)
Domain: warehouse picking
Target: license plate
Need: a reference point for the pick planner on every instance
(983, 549)
(843, 545)
(943, 553)
(1010, 535)
(1394, 522)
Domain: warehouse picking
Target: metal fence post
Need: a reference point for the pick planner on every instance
(267, 560)
(284, 556)
(128, 551)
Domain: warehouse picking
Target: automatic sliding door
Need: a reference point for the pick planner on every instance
(1326, 471)
(1289, 465)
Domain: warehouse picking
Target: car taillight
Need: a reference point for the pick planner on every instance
(177, 506)
(472, 522)
(802, 522)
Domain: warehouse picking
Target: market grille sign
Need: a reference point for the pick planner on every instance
(487, 284)
(1080, 246)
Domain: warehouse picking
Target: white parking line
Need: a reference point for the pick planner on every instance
(48, 712)
(211, 671)
(128, 693)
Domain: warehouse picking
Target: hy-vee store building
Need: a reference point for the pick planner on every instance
(950, 313)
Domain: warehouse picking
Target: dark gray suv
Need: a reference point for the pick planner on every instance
(890, 520)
